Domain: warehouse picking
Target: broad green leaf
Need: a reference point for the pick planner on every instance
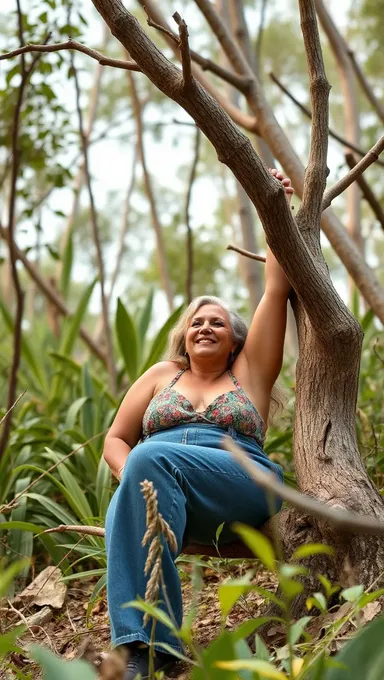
(230, 592)
(262, 652)
(352, 594)
(56, 668)
(8, 640)
(312, 549)
(74, 494)
(370, 597)
(296, 630)
(362, 657)
(317, 600)
(66, 267)
(263, 668)
(259, 544)
(160, 342)
(145, 318)
(292, 570)
(72, 331)
(128, 340)
(55, 509)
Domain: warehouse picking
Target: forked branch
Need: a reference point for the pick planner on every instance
(185, 52)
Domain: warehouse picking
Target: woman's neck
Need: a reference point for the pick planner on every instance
(207, 373)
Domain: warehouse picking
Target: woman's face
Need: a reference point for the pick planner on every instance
(209, 334)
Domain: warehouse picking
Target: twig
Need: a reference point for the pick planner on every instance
(239, 82)
(96, 238)
(12, 503)
(308, 114)
(353, 174)
(77, 528)
(52, 295)
(366, 87)
(185, 52)
(21, 616)
(73, 45)
(343, 519)
(192, 176)
(13, 406)
(247, 253)
(367, 191)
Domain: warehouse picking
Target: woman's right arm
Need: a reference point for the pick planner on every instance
(126, 428)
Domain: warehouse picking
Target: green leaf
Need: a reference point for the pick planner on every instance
(263, 668)
(248, 627)
(230, 592)
(58, 669)
(8, 640)
(317, 600)
(73, 412)
(100, 585)
(296, 630)
(9, 574)
(103, 487)
(370, 597)
(69, 339)
(219, 530)
(145, 317)
(259, 544)
(262, 652)
(53, 252)
(153, 611)
(312, 549)
(352, 594)
(367, 320)
(26, 349)
(128, 340)
(363, 656)
(160, 342)
(66, 267)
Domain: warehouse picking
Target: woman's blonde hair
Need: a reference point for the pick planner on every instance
(176, 350)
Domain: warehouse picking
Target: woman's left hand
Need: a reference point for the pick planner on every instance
(286, 182)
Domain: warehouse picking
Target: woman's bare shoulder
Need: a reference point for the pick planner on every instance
(162, 370)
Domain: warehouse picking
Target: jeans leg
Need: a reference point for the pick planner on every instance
(125, 528)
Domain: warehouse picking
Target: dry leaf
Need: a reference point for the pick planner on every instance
(370, 611)
(46, 589)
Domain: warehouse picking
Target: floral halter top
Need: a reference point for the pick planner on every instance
(170, 408)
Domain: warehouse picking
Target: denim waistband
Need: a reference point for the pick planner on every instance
(221, 431)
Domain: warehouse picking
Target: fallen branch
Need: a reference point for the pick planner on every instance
(73, 45)
(367, 191)
(353, 174)
(247, 253)
(343, 519)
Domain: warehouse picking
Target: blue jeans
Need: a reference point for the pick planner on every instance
(199, 486)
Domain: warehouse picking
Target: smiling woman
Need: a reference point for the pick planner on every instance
(217, 379)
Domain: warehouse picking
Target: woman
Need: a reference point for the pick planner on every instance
(218, 380)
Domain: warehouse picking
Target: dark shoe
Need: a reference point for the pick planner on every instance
(138, 662)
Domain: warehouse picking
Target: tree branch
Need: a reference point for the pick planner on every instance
(73, 45)
(192, 176)
(247, 253)
(52, 295)
(96, 238)
(367, 191)
(316, 172)
(185, 52)
(369, 93)
(344, 520)
(157, 227)
(306, 112)
(353, 174)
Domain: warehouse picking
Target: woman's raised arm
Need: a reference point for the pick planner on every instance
(263, 348)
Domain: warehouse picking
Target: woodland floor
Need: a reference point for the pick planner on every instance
(70, 636)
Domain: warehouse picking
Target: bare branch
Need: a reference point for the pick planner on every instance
(185, 51)
(77, 528)
(247, 253)
(316, 172)
(192, 176)
(367, 191)
(342, 519)
(52, 295)
(378, 107)
(73, 45)
(160, 28)
(161, 253)
(306, 111)
(96, 238)
(353, 174)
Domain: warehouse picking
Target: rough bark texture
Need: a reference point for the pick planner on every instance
(327, 460)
